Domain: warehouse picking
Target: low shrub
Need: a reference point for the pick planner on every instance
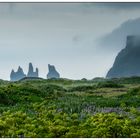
(109, 84)
(82, 88)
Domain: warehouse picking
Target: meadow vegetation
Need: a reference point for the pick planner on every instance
(70, 108)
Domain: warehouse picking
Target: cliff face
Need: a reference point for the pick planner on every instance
(52, 72)
(127, 62)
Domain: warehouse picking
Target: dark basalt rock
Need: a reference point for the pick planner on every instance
(127, 62)
(31, 72)
(15, 76)
(52, 72)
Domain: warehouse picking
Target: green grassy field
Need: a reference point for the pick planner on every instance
(70, 108)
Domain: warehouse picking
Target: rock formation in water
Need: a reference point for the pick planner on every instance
(31, 72)
(15, 76)
(127, 62)
(52, 72)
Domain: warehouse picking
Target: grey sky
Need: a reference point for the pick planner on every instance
(62, 34)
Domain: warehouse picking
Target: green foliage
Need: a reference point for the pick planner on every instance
(51, 89)
(4, 98)
(109, 84)
(48, 122)
(65, 108)
(127, 80)
(82, 88)
(132, 98)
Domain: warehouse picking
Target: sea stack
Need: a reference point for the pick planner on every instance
(31, 72)
(52, 72)
(127, 62)
(15, 76)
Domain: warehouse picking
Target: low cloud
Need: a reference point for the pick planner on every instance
(116, 39)
(114, 5)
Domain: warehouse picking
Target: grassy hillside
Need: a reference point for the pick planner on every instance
(70, 108)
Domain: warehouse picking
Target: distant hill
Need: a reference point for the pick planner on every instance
(30, 78)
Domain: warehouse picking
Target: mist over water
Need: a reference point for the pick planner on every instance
(67, 35)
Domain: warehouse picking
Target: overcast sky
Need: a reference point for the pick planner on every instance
(62, 34)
